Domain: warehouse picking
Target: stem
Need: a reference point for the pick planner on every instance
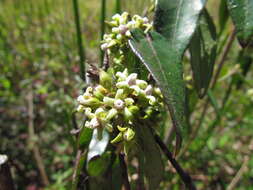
(183, 175)
(118, 6)
(32, 142)
(102, 25)
(79, 39)
(123, 167)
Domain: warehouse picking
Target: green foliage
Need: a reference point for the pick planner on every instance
(40, 55)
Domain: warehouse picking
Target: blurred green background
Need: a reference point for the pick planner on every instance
(40, 79)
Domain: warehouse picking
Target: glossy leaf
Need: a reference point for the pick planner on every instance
(177, 21)
(241, 12)
(152, 162)
(154, 51)
(203, 49)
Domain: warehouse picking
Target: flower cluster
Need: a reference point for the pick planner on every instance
(121, 25)
(117, 101)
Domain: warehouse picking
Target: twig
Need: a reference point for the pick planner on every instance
(123, 167)
(183, 175)
(31, 141)
(239, 174)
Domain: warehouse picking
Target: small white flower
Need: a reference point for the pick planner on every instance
(94, 123)
(122, 84)
(141, 83)
(123, 29)
(119, 104)
(81, 99)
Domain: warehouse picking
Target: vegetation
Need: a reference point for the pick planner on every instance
(91, 99)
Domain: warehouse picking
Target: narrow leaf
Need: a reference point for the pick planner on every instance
(241, 12)
(203, 49)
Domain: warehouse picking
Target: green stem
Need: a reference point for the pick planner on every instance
(79, 38)
(102, 25)
(118, 6)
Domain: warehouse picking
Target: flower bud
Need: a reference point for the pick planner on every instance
(128, 114)
(129, 101)
(123, 29)
(119, 94)
(108, 101)
(94, 123)
(133, 109)
(104, 46)
(152, 100)
(115, 30)
(89, 114)
(109, 127)
(105, 80)
(111, 114)
(80, 108)
(129, 134)
(131, 79)
(121, 129)
(117, 139)
(142, 84)
(122, 84)
(149, 90)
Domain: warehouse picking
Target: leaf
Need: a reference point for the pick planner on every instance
(97, 147)
(223, 16)
(98, 164)
(203, 49)
(154, 51)
(85, 137)
(241, 12)
(152, 162)
(177, 20)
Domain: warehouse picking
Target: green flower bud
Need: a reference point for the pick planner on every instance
(91, 102)
(152, 100)
(121, 129)
(128, 114)
(105, 80)
(129, 101)
(142, 84)
(89, 114)
(108, 101)
(129, 134)
(119, 94)
(117, 139)
(111, 114)
(133, 109)
(80, 108)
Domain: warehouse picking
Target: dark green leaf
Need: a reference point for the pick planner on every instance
(98, 164)
(241, 12)
(177, 20)
(203, 49)
(161, 60)
(152, 162)
(85, 137)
